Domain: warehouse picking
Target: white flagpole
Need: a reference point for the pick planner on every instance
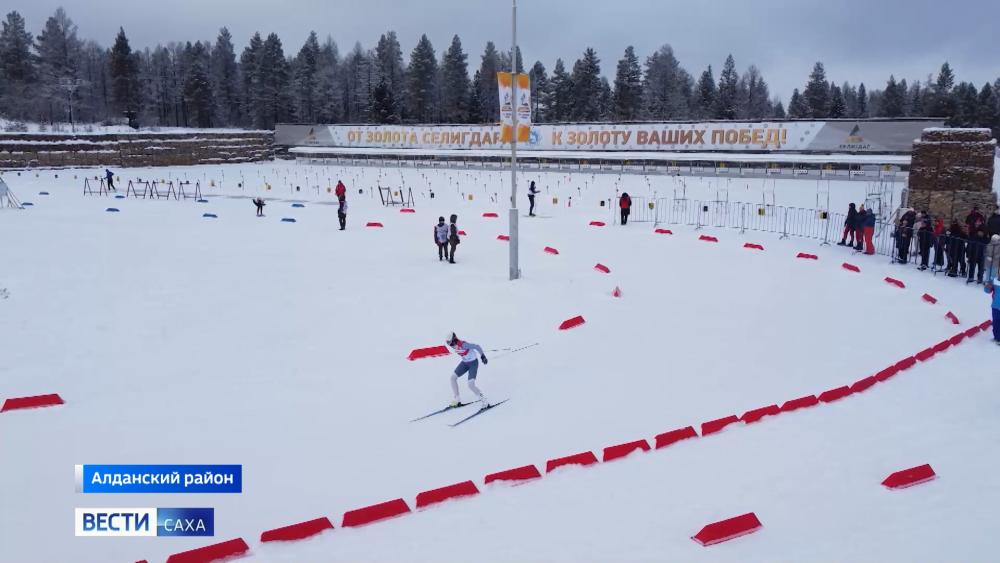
(515, 271)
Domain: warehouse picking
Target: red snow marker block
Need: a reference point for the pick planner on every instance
(925, 354)
(910, 477)
(862, 384)
(571, 323)
(957, 339)
(583, 458)
(602, 268)
(906, 363)
(895, 282)
(622, 450)
(617, 292)
(374, 513)
(800, 403)
(597, 223)
(551, 250)
(663, 232)
(755, 415)
(886, 373)
(374, 224)
(493, 215)
(753, 246)
(929, 298)
(728, 529)
(942, 346)
(951, 317)
(713, 426)
(674, 436)
(525, 473)
(972, 332)
(708, 238)
(432, 352)
(805, 256)
(503, 237)
(31, 402)
(850, 267)
(461, 233)
(211, 553)
(835, 394)
(435, 496)
(986, 325)
(406, 210)
(298, 531)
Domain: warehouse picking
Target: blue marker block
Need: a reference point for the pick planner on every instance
(43, 193)
(27, 204)
(202, 201)
(112, 210)
(210, 215)
(298, 205)
(119, 197)
(287, 220)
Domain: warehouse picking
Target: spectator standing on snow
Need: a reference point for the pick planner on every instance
(850, 226)
(625, 203)
(110, 176)
(976, 254)
(453, 240)
(869, 232)
(939, 244)
(859, 226)
(904, 235)
(956, 249)
(993, 223)
(259, 202)
(340, 190)
(342, 213)
(531, 199)
(470, 354)
(994, 288)
(441, 239)
(925, 235)
(991, 258)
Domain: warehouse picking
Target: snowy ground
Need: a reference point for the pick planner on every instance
(179, 339)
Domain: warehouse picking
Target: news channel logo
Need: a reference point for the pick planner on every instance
(144, 522)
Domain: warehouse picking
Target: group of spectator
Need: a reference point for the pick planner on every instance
(970, 249)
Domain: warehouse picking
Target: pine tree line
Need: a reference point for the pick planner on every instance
(205, 84)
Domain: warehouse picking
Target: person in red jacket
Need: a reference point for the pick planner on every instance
(625, 203)
(341, 190)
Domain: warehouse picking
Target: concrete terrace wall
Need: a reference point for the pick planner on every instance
(30, 150)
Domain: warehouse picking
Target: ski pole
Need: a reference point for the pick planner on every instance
(509, 352)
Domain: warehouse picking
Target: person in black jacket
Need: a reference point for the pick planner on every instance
(850, 226)
(342, 213)
(860, 222)
(993, 224)
(925, 237)
(259, 202)
(532, 190)
(956, 249)
(453, 239)
(976, 253)
(904, 235)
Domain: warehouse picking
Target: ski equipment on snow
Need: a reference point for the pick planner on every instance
(479, 412)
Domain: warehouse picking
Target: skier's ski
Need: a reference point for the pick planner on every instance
(479, 412)
(446, 409)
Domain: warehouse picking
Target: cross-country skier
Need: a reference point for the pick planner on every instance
(470, 354)
(111, 179)
(259, 202)
(441, 239)
(532, 190)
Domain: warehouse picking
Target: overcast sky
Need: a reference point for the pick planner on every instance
(858, 40)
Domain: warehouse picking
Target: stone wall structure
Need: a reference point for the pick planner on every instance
(26, 150)
(951, 171)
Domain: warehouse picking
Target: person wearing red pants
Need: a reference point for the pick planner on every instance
(869, 232)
